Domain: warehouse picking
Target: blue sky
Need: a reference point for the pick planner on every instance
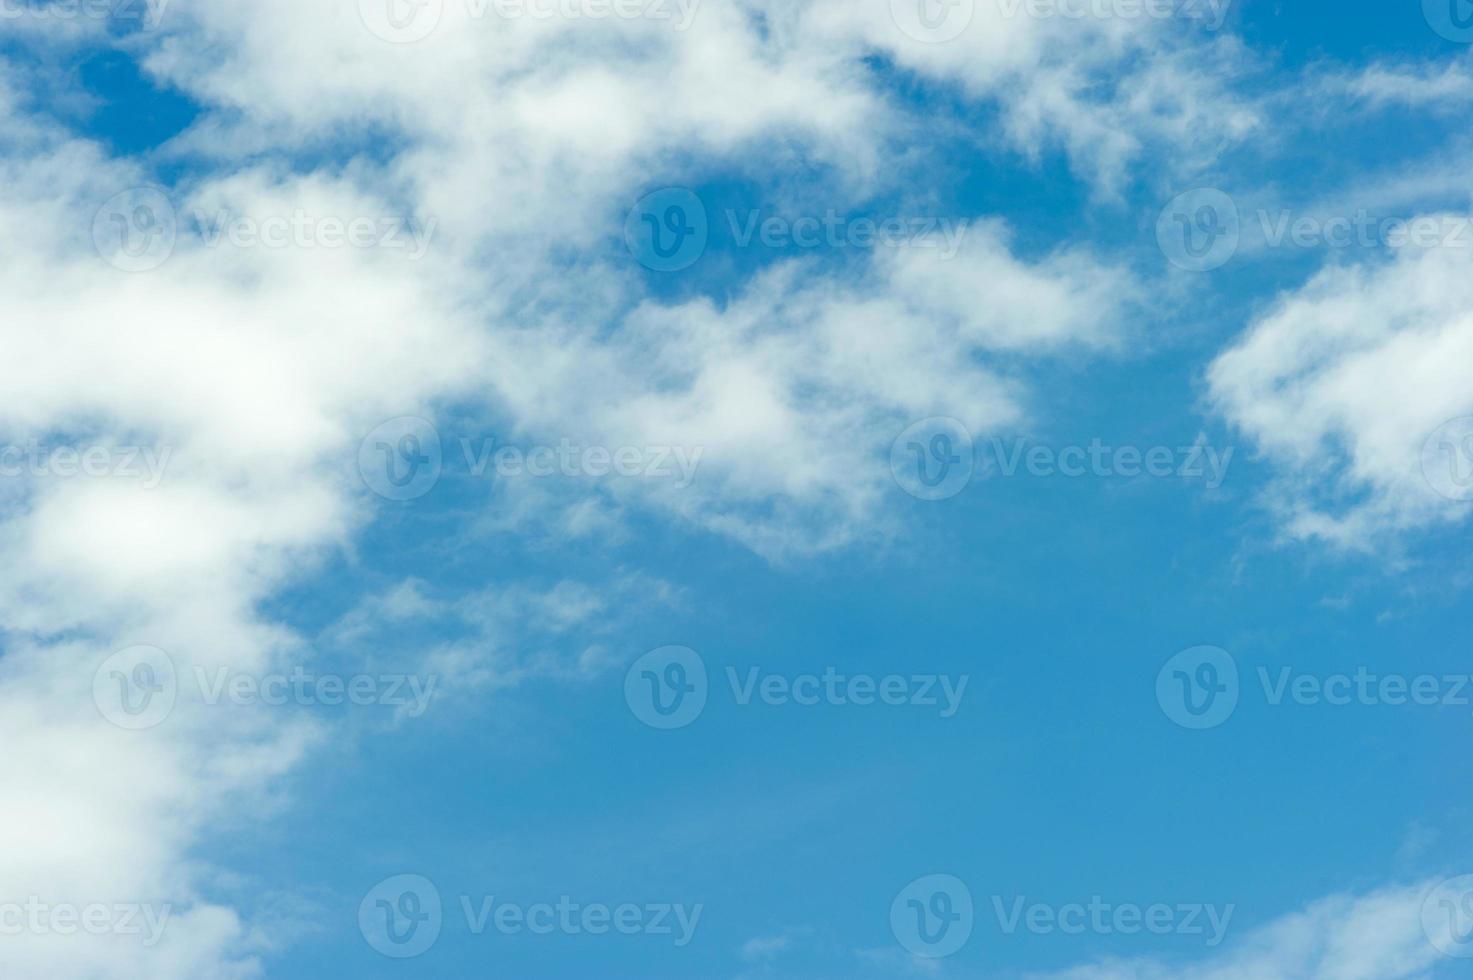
(1293, 391)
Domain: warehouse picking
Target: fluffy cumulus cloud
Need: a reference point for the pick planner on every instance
(1355, 386)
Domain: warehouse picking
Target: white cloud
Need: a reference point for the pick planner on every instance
(1343, 383)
